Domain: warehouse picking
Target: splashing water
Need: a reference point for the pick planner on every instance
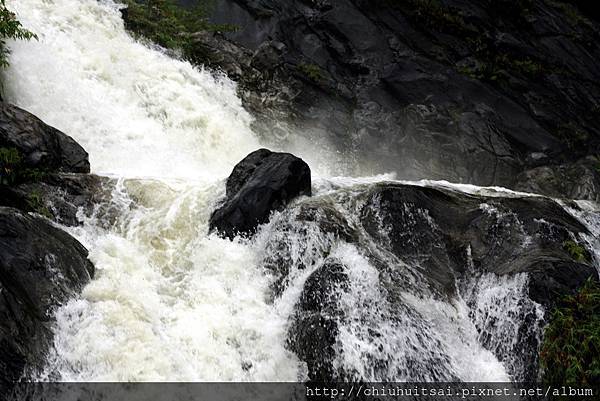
(170, 302)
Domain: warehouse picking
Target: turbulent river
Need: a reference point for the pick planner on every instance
(170, 302)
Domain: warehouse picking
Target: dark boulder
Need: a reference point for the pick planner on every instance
(40, 268)
(40, 146)
(261, 183)
(45, 171)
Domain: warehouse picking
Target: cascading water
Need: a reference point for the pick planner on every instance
(170, 302)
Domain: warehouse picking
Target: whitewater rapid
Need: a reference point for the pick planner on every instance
(169, 302)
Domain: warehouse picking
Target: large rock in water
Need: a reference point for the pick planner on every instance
(40, 145)
(383, 260)
(262, 182)
(40, 268)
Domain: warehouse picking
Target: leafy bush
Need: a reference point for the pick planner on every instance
(10, 162)
(570, 352)
(10, 28)
(167, 24)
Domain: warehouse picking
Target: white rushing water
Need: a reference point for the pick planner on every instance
(168, 301)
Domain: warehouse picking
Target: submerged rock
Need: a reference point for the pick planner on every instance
(261, 183)
(41, 146)
(40, 268)
(315, 323)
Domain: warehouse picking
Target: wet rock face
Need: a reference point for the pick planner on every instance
(580, 180)
(315, 324)
(40, 268)
(432, 228)
(503, 256)
(51, 176)
(468, 91)
(41, 146)
(261, 183)
(60, 197)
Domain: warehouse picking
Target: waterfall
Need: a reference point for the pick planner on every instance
(170, 302)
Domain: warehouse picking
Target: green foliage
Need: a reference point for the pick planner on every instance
(10, 28)
(435, 15)
(576, 251)
(36, 203)
(571, 12)
(12, 171)
(496, 67)
(312, 71)
(570, 353)
(167, 24)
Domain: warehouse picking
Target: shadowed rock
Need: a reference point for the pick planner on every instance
(262, 182)
(40, 268)
(468, 91)
(41, 146)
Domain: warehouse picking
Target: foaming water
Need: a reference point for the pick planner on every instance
(392, 326)
(169, 302)
(135, 110)
(498, 306)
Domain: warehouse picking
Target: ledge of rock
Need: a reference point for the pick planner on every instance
(261, 183)
(45, 171)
